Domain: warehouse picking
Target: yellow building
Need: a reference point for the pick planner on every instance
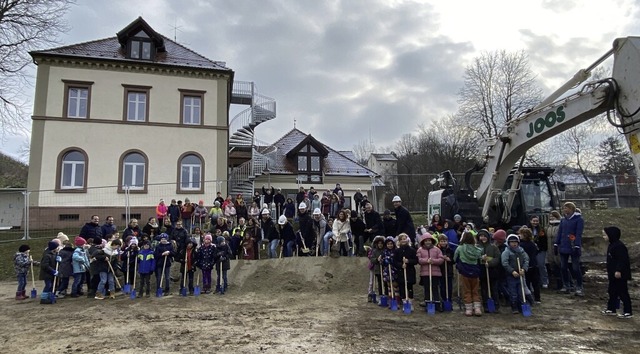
(126, 120)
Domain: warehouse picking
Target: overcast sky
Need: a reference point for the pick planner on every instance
(353, 69)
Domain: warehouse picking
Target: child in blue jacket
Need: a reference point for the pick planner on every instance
(80, 264)
(146, 267)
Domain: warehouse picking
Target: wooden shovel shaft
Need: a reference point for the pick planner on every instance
(486, 267)
(135, 273)
(406, 290)
(430, 285)
(128, 263)
(164, 266)
(393, 295)
(446, 280)
(184, 280)
(33, 277)
(521, 281)
(54, 280)
(114, 273)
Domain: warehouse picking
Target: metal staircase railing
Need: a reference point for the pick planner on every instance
(241, 134)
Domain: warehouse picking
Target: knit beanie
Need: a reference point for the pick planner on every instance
(62, 237)
(500, 236)
(52, 245)
(208, 237)
(79, 241)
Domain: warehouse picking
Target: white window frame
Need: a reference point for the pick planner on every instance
(74, 167)
(137, 103)
(75, 102)
(190, 107)
(136, 168)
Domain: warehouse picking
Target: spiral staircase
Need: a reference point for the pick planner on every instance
(245, 162)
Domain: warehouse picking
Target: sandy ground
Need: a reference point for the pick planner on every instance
(306, 305)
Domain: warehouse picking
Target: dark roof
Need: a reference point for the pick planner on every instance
(174, 54)
(335, 163)
(304, 142)
(385, 157)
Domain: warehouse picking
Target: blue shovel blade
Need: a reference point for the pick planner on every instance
(196, 291)
(126, 288)
(394, 305)
(384, 301)
(431, 308)
(183, 291)
(34, 293)
(159, 293)
(406, 307)
(448, 305)
(526, 310)
(491, 305)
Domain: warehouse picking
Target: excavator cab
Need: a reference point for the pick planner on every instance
(536, 197)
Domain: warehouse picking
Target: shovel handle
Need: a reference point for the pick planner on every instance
(521, 281)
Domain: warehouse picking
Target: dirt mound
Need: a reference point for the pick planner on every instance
(296, 274)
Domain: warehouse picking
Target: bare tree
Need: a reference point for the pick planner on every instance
(362, 150)
(25, 25)
(580, 152)
(498, 87)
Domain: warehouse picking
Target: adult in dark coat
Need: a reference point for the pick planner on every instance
(180, 235)
(279, 200)
(305, 223)
(373, 223)
(405, 255)
(388, 224)
(618, 272)
(357, 230)
(268, 195)
(92, 229)
(569, 245)
(108, 228)
(404, 222)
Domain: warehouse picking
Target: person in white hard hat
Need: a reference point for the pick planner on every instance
(286, 234)
(305, 228)
(319, 229)
(404, 222)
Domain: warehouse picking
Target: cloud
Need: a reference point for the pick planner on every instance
(344, 68)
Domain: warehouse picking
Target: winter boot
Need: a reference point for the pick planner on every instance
(369, 297)
(218, 289)
(477, 309)
(514, 309)
(19, 295)
(373, 298)
(468, 309)
(224, 289)
(24, 294)
(439, 306)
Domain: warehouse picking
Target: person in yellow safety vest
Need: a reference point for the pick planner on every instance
(236, 237)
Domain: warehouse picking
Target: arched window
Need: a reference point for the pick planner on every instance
(190, 173)
(73, 170)
(133, 171)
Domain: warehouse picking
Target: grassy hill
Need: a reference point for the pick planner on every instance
(13, 173)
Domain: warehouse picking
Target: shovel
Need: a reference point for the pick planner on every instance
(431, 307)
(196, 289)
(526, 308)
(132, 294)
(52, 295)
(406, 305)
(34, 292)
(159, 290)
(491, 305)
(113, 296)
(447, 305)
(183, 291)
(127, 287)
(383, 298)
(394, 301)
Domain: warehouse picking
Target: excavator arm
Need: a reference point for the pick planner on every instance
(552, 117)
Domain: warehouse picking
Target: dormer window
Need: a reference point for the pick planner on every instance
(141, 47)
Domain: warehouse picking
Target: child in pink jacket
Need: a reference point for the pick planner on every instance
(430, 258)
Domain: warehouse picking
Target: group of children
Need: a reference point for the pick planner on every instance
(99, 262)
(485, 270)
